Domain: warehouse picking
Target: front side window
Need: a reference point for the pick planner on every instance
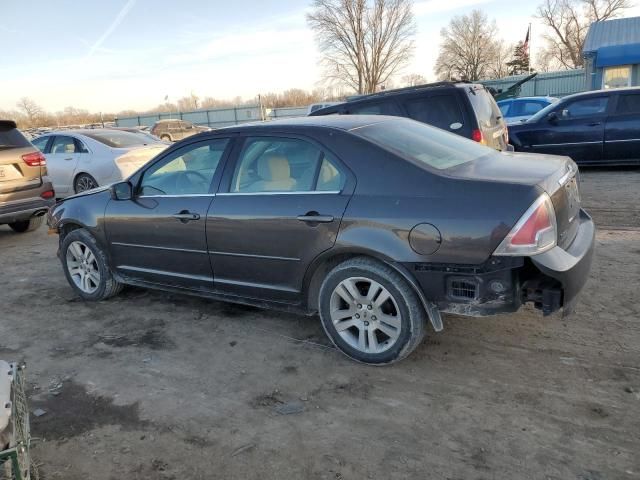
(272, 164)
(585, 107)
(617, 77)
(186, 171)
(63, 145)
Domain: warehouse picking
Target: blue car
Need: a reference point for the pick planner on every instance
(601, 127)
(518, 110)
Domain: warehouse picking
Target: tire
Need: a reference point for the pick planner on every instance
(73, 252)
(84, 182)
(385, 341)
(27, 225)
(166, 138)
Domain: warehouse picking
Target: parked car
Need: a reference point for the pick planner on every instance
(465, 109)
(25, 190)
(142, 133)
(317, 106)
(377, 223)
(600, 127)
(80, 160)
(518, 110)
(173, 130)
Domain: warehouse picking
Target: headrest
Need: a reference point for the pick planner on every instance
(272, 168)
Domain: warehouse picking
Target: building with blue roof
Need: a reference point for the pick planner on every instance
(612, 54)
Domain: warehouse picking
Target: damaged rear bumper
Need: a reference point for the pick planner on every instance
(551, 280)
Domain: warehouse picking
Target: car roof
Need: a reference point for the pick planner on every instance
(611, 91)
(336, 122)
(80, 131)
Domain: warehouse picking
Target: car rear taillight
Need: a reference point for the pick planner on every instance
(477, 136)
(35, 159)
(535, 232)
(48, 194)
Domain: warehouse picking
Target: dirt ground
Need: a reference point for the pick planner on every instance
(156, 386)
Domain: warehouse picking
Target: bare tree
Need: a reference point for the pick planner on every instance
(468, 48)
(363, 42)
(30, 109)
(567, 22)
(498, 66)
(413, 79)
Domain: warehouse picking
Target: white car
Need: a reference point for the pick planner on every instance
(79, 160)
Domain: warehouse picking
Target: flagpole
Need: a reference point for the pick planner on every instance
(529, 53)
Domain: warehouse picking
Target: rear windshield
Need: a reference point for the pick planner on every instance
(12, 138)
(423, 144)
(487, 110)
(119, 139)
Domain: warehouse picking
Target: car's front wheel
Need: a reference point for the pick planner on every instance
(165, 138)
(370, 312)
(86, 267)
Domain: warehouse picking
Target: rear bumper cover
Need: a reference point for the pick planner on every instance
(18, 211)
(551, 280)
(570, 267)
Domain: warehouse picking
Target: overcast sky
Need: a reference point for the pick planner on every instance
(128, 54)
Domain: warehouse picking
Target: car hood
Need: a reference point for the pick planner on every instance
(543, 171)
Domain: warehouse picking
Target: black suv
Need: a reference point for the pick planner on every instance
(466, 109)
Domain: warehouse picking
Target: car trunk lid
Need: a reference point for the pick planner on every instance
(15, 174)
(557, 176)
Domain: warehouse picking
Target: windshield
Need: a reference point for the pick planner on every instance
(119, 139)
(422, 144)
(541, 113)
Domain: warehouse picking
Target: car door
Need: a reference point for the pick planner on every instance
(280, 206)
(159, 235)
(576, 130)
(62, 161)
(622, 130)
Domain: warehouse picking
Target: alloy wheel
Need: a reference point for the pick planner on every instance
(365, 315)
(83, 267)
(85, 182)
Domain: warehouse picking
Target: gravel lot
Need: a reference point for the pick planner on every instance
(156, 386)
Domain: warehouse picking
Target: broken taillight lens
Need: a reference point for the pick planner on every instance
(535, 232)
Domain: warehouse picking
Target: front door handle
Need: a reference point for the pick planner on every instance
(315, 217)
(70, 158)
(594, 124)
(186, 216)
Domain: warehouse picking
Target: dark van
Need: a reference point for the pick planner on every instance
(466, 109)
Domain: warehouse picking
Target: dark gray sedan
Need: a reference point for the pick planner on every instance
(377, 223)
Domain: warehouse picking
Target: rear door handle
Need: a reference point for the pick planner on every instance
(185, 216)
(70, 158)
(594, 124)
(315, 217)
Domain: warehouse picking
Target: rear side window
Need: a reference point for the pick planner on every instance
(12, 138)
(422, 144)
(628, 104)
(384, 108)
(441, 111)
(485, 107)
(504, 108)
(273, 164)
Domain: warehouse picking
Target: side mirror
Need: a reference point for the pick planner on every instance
(552, 117)
(122, 191)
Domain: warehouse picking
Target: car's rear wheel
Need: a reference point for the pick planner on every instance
(27, 225)
(86, 267)
(84, 182)
(165, 138)
(370, 312)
